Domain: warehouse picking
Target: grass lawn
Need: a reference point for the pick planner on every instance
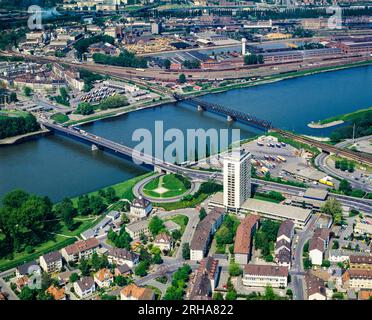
(348, 116)
(165, 187)
(122, 189)
(260, 197)
(182, 204)
(22, 257)
(13, 113)
(181, 220)
(60, 117)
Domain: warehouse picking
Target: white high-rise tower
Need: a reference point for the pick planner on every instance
(244, 41)
(236, 179)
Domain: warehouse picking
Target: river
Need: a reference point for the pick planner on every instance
(59, 167)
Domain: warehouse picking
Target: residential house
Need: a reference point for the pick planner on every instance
(243, 238)
(51, 262)
(80, 250)
(122, 257)
(204, 232)
(357, 279)
(263, 275)
(21, 282)
(283, 243)
(133, 292)
(361, 262)
(123, 270)
(205, 280)
(85, 287)
(104, 278)
(27, 269)
(318, 244)
(140, 208)
(56, 293)
(164, 242)
(315, 287)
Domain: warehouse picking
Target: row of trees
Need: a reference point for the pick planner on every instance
(191, 64)
(82, 45)
(265, 238)
(345, 165)
(179, 283)
(24, 221)
(363, 127)
(12, 126)
(29, 220)
(253, 59)
(125, 59)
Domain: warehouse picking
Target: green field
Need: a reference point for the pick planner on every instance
(60, 117)
(181, 220)
(66, 237)
(348, 116)
(13, 113)
(167, 186)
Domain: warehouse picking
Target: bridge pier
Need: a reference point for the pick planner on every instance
(94, 147)
(230, 119)
(200, 108)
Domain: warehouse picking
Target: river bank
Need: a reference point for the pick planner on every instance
(276, 78)
(119, 112)
(336, 120)
(24, 137)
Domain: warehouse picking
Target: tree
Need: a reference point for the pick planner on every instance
(84, 267)
(217, 296)
(97, 205)
(74, 277)
(98, 262)
(27, 294)
(141, 269)
(66, 211)
(27, 91)
(235, 270)
(335, 245)
(182, 78)
(120, 281)
(186, 251)
(85, 108)
(333, 207)
(24, 221)
(111, 195)
(345, 187)
(231, 295)
(84, 205)
(167, 64)
(176, 235)
(202, 214)
(13, 97)
(326, 263)
(156, 225)
(157, 259)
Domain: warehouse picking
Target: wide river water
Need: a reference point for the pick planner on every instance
(58, 167)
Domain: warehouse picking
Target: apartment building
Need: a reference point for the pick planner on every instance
(204, 232)
(83, 249)
(263, 275)
(236, 179)
(243, 238)
(51, 262)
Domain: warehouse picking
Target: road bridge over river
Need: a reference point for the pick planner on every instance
(153, 163)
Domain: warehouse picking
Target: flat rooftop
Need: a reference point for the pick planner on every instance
(316, 194)
(279, 210)
(271, 209)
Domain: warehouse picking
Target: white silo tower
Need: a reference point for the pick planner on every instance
(244, 41)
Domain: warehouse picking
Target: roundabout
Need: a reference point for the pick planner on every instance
(164, 188)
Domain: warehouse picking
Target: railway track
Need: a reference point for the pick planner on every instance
(362, 158)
